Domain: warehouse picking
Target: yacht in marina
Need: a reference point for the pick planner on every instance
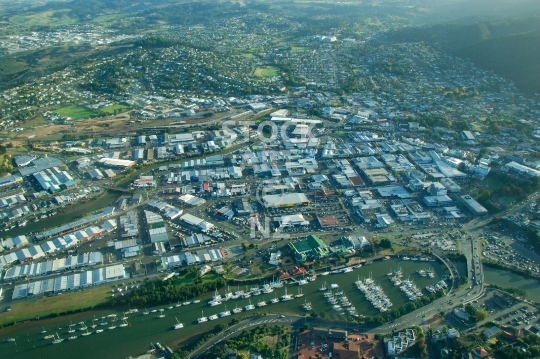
(178, 304)
(124, 323)
(71, 330)
(323, 287)
(112, 327)
(347, 270)
(250, 306)
(153, 311)
(216, 296)
(228, 295)
(202, 319)
(237, 310)
(267, 289)
(186, 303)
(146, 312)
(214, 302)
(161, 315)
(213, 317)
(300, 294)
(72, 337)
(302, 282)
(307, 305)
(286, 296)
(196, 301)
(88, 333)
(178, 325)
(99, 331)
(239, 293)
(334, 286)
(246, 295)
(225, 313)
(50, 336)
(43, 331)
(262, 303)
(57, 340)
(274, 300)
(103, 322)
(406, 258)
(325, 273)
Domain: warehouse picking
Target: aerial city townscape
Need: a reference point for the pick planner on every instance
(269, 179)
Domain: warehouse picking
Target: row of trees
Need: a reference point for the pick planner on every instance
(160, 292)
(252, 340)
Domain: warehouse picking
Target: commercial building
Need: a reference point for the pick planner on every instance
(434, 201)
(285, 200)
(393, 191)
(520, 170)
(293, 220)
(473, 205)
(310, 248)
(327, 221)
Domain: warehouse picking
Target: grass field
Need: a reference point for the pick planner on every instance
(266, 71)
(76, 112)
(45, 18)
(109, 110)
(56, 304)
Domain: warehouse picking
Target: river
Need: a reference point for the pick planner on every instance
(67, 214)
(146, 329)
(506, 279)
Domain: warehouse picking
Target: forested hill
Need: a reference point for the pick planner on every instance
(510, 48)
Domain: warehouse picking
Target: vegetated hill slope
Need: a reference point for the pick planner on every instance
(510, 48)
(515, 57)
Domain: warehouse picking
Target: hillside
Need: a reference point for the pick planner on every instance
(510, 48)
(514, 57)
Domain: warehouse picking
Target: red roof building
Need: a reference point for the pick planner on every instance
(327, 221)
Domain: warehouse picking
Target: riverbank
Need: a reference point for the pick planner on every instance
(57, 305)
(144, 329)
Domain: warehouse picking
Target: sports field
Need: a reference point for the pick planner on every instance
(266, 71)
(76, 112)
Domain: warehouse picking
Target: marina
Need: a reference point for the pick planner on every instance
(143, 329)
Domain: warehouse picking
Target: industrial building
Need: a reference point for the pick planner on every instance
(70, 282)
(54, 179)
(53, 266)
(156, 227)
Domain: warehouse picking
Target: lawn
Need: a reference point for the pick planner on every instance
(109, 110)
(266, 71)
(68, 301)
(45, 18)
(298, 49)
(76, 112)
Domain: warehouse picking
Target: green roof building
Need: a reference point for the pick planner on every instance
(310, 248)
